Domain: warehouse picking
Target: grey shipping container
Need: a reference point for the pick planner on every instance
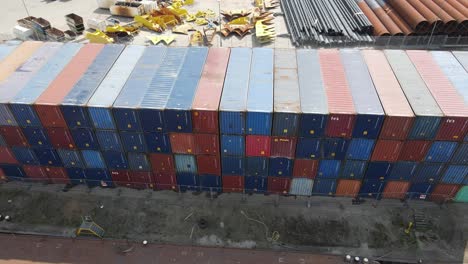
(17, 80)
(22, 104)
(74, 104)
(233, 105)
(138, 162)
(370, 114)
(70, 158)
(427, 111)
(260, 97)
(287, 101)
(131, 95)
(301, 186)
(185, 164)
(314, 104)
(177, 113)
(462, 57)
(102, 100)
(454, 71)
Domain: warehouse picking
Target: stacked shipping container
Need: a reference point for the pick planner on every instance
(298, 122)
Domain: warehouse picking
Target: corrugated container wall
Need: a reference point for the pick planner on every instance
(400, 117)
(22, 104)
(70, 158)
(455, 123)
(340, 102)
(396, 189)
(454, 71)
(185, 164)
(93, 159)
(461, 155)
(462, 195)
(414, 150)
(61, 138)
(428, 172)
(309, 148)
(348, 188)
(455, 174)
(7, 156)
(233, 104)
(403, 170)
(7, 48)
(462, 57)
(157, 95)
(24, 156)
(441, 151)
(233, 145)
(138, 162)
(287, 101)
(360, 149)
(280, 167)
(335, 148)
(301, 186)
(177, 113)
(125, 114)
(370, 114)
(208, 96)
(256, 166)
(314, 103)
(353, 169)
(10, 86)
(428, 113)
(329, 169)
(305, 168)
(48, 104)
(17, 57)
(233, 165)
(260, 95)
(102, 100)
(324, 187)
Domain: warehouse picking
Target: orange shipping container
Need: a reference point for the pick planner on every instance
(396, 189)
(444, 192)
(348, 188)
(17, 58)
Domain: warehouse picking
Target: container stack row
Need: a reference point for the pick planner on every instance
(368, 123)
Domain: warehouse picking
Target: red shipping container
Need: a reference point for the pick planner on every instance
(121, 178)
(60, 138)
(141, 179)
(304, 168)
(207, 144)
(396, 189)
(340, 125)
(57, 175)
(348, 188)
(48, 104)
(257, 146)
(278, 185)
(414, 150)
(387, 150)
(208, 164)
(444, 192)
(233, 183)
(165, 181)
(396, 127)
(182, 143)
(13, 136)
(206, 101)
(7, 156)
(36, 173)
(162, 163)
(283, 147)
(455, 125)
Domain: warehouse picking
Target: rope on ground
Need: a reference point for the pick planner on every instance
(274, 235)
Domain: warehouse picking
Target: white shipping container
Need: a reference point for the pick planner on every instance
(22, 32)
(301, 186)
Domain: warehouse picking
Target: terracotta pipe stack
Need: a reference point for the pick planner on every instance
(450, 24)
(399, 21)
(379, 28)
(417, 22)
(459, 17)
(384, 18)
(433, 19)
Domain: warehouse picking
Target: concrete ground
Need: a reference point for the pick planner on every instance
(374, 229)
(54, 11)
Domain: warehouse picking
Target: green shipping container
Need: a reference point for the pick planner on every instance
(462, 195)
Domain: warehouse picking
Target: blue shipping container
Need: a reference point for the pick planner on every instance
(441, 151)
(403, 170)
(378, 170)
(324, 187)
(158, 142)
(115, 160)
(138, 162)
(13, 172)
(233, 145)
(109, 140)
(353, 169)
(70, 158)
(93, 159)
(98, 177)
(25, 156)
(185, 164)
(210, 183)
(76, 175)
(233, 105)
(74, 104)
(461, 155)
(420, 190)
(455, 174)
(308, 148)
(133, 141)
(370, 114)
(255, 184)
(256, 166)
(360, 149)
(84, 138)
(188, 182)
(335, 148)
(428, 172)
(280, 167)
(37, 137)
(177, 113)
(372, 188)
(232, 165)
(48, 157)
(131, 95)
(329, 169)
(314, 103)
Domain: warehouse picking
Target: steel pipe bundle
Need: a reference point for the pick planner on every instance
(334, 21)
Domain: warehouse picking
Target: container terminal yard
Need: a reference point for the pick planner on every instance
(266, 131)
